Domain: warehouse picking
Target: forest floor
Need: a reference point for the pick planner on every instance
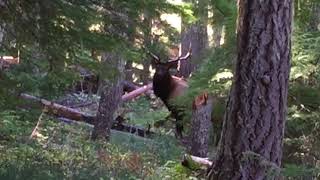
(38, 146)
(35, 145)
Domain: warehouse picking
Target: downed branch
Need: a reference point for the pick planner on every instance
(136, 92)
(190, 161)
(69, 113)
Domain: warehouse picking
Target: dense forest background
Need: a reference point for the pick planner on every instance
(66, 67)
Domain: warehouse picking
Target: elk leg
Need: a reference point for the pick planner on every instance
(179, 124)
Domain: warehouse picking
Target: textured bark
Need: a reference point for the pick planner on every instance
(251, 142)
(200, 126)
(110, 97)
(196, 34)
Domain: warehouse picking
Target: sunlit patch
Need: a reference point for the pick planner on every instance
(95, 27)
(173, 19)
(152, 71)
(135, 78)
(138, 66)
(226, 74)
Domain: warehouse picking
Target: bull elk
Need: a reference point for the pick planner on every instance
(167, 86)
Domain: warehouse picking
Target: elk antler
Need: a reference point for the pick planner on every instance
(182, 57)
(155, 57)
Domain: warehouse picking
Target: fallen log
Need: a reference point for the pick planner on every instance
(190, 161)
(60, 110)
(69, 113)
(129, 86)
(7, 61)
(136, 92)
(118, 126)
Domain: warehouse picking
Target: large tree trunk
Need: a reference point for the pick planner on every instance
(110, 98)
(251, 142)
(196, 34)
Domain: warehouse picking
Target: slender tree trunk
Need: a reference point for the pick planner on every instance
(201, 125)
(113, 66)
(251, 142)
(217, 35)
(196, 34)
(2, 32)
(147, 22)
(110, 96)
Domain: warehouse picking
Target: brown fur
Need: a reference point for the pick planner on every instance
(179, 87)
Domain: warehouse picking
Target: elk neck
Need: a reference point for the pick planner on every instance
(162, 86)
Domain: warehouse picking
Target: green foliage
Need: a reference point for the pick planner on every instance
(173, 170)
(294, 171)
(304, 13)
(143, 113)
(306, 55)
(13, 125)
(225, 13)
(301, 143)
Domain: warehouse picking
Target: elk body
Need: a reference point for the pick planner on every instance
(167, 87)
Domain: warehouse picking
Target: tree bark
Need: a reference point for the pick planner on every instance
(196, 34)
(110, 98)
(251, 142)
(200, 125)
